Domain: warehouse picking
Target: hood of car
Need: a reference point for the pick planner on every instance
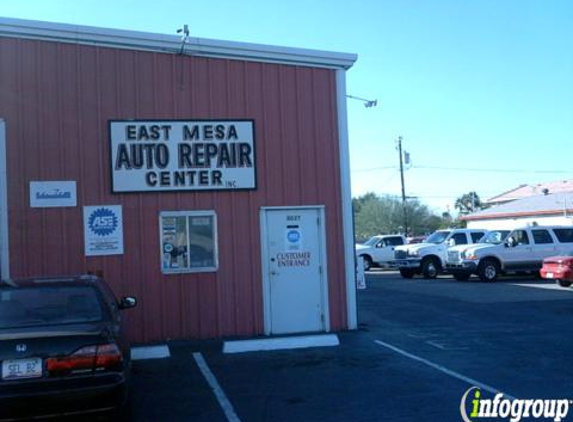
(480, 247)
(417, 247)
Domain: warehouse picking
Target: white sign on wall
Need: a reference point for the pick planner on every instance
(53, 194)
(103, 230)
(162, 155)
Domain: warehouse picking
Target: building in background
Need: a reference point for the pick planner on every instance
(543, 210)
(525, 191)
(208, 178)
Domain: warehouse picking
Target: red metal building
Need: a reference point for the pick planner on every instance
(212, 184)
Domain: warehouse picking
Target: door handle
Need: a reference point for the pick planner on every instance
(274, 273)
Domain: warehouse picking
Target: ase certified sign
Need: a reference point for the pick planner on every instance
(103, 230)
(165, 155)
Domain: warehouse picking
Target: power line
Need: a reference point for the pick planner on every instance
(375, 168)
(493, 170)
(472, 169)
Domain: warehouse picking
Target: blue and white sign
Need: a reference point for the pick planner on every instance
(293, 239)
(103, 230)
(53, 194)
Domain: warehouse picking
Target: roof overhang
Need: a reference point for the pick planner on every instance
(135, 40)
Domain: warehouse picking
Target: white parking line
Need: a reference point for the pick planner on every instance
(544, 286)
(440, 368)
(150, 352)
(217, 390)
(281, 343)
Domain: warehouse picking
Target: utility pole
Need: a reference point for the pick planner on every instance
(404, 210)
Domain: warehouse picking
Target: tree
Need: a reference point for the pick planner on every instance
(383, 215)
(468, 203)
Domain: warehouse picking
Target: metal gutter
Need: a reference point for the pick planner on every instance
(346, 202)
(147, 41)
(4, 226)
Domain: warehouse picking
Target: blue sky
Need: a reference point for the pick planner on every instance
(469, 85)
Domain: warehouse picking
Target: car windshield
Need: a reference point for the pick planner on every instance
(495, 237)
(438, 237)
(372, 241)
(48, 305)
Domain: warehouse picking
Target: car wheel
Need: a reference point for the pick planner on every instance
(430, 268)
(367, 262)
(461, 276)
(564, 283)
(488, 270)
(407, 272)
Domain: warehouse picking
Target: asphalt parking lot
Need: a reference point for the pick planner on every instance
(420, 345)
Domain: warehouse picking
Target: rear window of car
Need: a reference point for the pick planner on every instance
(49, 305)
(564, 235)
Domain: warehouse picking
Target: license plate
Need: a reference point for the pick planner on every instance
(549, 275)
(21, 368)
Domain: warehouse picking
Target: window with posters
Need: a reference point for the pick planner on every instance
(188, 241)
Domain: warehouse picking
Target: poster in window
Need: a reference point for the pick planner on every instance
(174, 241)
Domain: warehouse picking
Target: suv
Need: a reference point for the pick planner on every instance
(428, 258)
(455, 254)
(379, 250)
(524, 249)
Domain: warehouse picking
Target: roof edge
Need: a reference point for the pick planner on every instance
(148, 41)
(513, 215)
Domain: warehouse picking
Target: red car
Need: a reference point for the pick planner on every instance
(558, 268)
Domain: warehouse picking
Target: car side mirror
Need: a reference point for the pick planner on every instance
(127, 302)
(451, 243)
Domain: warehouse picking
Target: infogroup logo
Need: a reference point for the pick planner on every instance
(513, 409)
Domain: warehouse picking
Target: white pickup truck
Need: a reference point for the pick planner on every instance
(429, 258)
(379, 250)
(455, 254)
(524, 249)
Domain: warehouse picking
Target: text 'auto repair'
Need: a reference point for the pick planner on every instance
(203, 145)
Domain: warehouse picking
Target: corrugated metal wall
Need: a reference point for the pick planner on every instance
(57, 99)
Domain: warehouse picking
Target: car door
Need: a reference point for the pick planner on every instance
(386, 249)
(544, 245)
(518, 251)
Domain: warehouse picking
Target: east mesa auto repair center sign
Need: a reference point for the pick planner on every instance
(182, 155)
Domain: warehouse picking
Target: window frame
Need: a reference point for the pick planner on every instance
(544, 241)
(460, 236)
(395, 241)
(561, 236)
(189, 269)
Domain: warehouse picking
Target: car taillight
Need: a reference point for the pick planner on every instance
(108, 356)
(82, 359)
(86, 359)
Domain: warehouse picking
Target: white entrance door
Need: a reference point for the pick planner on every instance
(293, 254)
